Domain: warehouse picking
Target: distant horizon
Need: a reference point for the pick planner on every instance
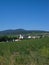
(25, 29)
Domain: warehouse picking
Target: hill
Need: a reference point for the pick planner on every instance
(22, 31)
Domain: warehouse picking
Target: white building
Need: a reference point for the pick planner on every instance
(20, 37)
(29, 37)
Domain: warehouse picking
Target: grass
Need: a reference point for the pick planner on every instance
(25, 52)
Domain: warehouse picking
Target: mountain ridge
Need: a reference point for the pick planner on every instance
(20, 31)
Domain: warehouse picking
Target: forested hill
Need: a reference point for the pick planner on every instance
(22, 31)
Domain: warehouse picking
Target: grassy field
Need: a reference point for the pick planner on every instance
(25, 52)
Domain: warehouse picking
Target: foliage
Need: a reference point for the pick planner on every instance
(7, 38)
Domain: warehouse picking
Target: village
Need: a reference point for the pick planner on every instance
(21, 37)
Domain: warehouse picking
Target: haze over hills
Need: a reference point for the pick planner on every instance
(22, 31)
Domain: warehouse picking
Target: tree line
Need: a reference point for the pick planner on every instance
(7, 38)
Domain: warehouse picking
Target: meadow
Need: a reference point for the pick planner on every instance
(25, 52)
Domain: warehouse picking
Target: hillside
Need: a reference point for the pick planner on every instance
(25, 52)
(22, 31)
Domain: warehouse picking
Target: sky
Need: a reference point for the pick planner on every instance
(24, 14)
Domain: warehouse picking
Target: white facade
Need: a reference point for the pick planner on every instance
(29, 37)
(20, 37)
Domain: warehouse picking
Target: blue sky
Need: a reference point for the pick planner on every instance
(25, 14)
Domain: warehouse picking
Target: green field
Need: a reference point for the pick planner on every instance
(25, 52)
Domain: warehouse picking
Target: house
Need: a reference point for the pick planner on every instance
(35, 37)
(21, 37)
(29, 37)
